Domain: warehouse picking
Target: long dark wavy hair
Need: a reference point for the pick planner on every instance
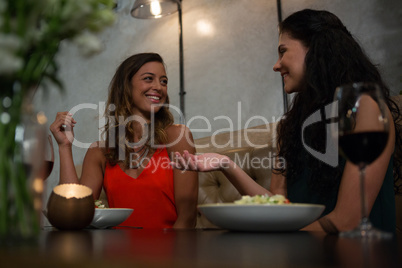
(121, 99)
(334, 58)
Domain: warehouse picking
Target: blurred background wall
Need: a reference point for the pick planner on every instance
(230, 47)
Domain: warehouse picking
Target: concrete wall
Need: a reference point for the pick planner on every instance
(229, 51)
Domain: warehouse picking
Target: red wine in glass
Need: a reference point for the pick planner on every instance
(46, 169)
(363, 147)
(363, 131)
(48, 163)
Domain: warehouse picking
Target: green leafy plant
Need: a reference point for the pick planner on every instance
(30, 36)
(31, 31)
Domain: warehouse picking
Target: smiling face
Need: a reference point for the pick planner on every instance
(290, 64)
(149, 89)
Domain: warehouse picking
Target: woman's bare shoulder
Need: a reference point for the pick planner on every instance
(179, 138)
(97, 149)
(178, 132)
(176, 129)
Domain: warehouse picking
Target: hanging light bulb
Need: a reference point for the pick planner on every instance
(156, 9)
(153, 9)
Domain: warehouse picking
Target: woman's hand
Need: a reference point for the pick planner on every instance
(214, 162)
(62, 128)
(202, 162)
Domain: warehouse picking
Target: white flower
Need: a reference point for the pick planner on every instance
(3, 5)
(10, 42)
(101, 18)
(88, 44)
(30, 37)
(74, 12)
(10, 62)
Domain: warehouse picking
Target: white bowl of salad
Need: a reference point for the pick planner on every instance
(261, 213)
(109, 217)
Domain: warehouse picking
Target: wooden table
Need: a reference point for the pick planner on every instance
(129, 247)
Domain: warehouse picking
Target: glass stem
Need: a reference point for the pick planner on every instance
(364, 218)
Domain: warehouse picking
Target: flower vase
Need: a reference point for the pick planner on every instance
(22, 142)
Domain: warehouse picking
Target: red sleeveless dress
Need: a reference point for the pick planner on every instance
(151, 194)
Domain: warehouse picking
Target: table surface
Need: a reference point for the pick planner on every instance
(129, 247)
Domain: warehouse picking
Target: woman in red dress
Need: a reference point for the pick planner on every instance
(132, 163)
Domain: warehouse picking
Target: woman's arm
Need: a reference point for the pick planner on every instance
(278, 184)
(347, 212)
(62, 130)
(213, 162)
(93, 169)
(93, 166)
(241, 181)
(185, 182)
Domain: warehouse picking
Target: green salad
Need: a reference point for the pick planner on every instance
(99, 204)
(263, 199)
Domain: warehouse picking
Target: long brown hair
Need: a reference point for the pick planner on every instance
(120, 105)
(334, 58)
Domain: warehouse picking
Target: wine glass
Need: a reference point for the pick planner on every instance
(48, 163)
(363, 131)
